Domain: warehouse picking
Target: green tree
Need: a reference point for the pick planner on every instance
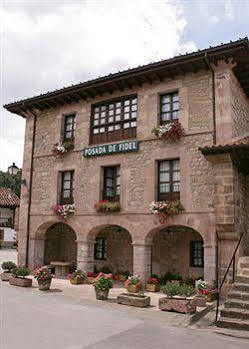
(11, 181)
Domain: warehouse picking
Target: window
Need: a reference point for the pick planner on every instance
(114, 120)
(169, 107)
(67, 181)
(196, 254)
(169, 180)
(69, 127)
(100, 248)
(111, 183)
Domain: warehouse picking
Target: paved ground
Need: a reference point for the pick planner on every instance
(67, 318)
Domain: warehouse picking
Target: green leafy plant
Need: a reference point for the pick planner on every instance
(8, 266)
(103, 284)
(178, 290)
(78, 273)
(42, 274)
(186, 290)
(20, 272)
(169, 277)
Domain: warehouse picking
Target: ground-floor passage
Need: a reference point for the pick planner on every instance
(51, 319)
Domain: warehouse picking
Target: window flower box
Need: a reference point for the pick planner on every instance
(106, 206)
(65, 211)
(60, 149)
(171, 132)
(166, 209)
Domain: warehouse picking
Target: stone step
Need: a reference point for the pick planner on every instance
(244, 272)
(234, 313)
(235, 324)
(242, 279)
(238, 295)
(239, 304)
(244, 265)
(240, 287)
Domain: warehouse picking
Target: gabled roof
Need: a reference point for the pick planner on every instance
(8, 198)
(158, 71)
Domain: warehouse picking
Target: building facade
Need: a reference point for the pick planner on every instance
(110, 153)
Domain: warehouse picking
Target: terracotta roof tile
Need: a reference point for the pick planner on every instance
(242, 143)
(8, 198)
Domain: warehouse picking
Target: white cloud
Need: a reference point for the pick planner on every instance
(44, 48)
(229, 10)
(214, 19)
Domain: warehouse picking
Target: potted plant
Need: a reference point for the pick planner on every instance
(102, 285)
(152, 285)
(106, 206)
(122, 275)
(170, 132)
(91, 277)
(60, 149)
(77, 277)
(133, 284)
(43, 276)
(166, 209)
(202, 289)
(178, 298)
(18, 277)
(7, 267)
(65, 211)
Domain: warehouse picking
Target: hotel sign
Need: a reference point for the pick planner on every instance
(108, 149)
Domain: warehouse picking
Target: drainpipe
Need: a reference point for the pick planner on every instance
(30, 190)
(213, 96)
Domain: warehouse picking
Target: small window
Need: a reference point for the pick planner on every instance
(100, 249)
(111, 183)
(169, 107)
(196, 254)
(67, 187)
(69, 127)
(169, 180)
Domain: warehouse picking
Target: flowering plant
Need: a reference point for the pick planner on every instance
(103, 282)
(42, 274)
(166, 209)
(77, 274)
(64, 210)
(201, 286)
(107, 206)
(91, 274)
(132, 280)
(59, 149)
(152, 281)
(170, 132)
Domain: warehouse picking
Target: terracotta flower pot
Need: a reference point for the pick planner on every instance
(101, 295)
(90, 279)
(5, 276)
(22, 282)
(134, 288)
(153, 287)
(77, 281)
(44, 285)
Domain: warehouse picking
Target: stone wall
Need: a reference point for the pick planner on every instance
(171, 253)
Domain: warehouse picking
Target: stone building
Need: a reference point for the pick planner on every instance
(106, 127)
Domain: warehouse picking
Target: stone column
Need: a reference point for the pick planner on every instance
(142, 260)
(210, 263)
(85, 255)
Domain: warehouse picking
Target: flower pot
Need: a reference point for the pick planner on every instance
(122, 277)
(44, 285)
(22, 282)
(77, 281)
(211, 296)
(179, 305)
(5, 276)
(90, 279)
(153, 287)
(134, 288)
(200, 301)
(101, 295)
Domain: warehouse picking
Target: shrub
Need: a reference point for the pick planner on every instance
(8, 266)
(103, 284)
(105, 269)
(189, 282)
(178, 290)
(169, 277)
(42, 274)
(186, 290)
(20, 272)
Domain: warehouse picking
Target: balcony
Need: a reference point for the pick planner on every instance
(6, 222)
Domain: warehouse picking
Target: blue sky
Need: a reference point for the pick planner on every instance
(49, 44)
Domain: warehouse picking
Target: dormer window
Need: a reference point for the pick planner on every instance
(169, 108)
(114, 120)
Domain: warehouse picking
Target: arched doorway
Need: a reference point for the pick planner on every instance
(112, 248)
(178, 250)
(60, 245)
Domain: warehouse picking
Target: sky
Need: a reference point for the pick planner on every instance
(45, 45)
